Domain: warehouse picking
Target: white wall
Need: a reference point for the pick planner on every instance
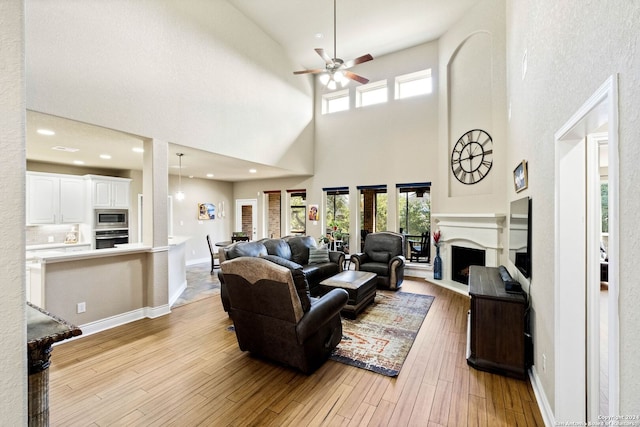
(185, 214)
(572, 48)
(385, 143)
(380, 144)
(472, 70)
(193, 72)
(13, 357)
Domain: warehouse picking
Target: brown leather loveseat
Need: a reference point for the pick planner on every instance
(300, 250)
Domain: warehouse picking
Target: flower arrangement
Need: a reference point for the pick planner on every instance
(436, 237)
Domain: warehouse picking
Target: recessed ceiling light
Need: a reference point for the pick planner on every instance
(67, 149)
(105, 156)
(210, 175)
(319, 35)
(252, 171)
(78, 162)
(47, 132)
(138, 149)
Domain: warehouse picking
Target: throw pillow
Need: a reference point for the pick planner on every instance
(318, 256)
(300, 246)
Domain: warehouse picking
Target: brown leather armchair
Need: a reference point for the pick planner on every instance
(383, 255)
(275, 318)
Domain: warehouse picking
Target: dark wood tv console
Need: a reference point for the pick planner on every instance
(496, 329)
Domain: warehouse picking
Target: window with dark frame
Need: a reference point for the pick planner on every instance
(297, 211)
(373, 208)
(414, 208)
(337, 209)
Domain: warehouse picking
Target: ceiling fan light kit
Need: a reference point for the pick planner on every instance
(336, 70)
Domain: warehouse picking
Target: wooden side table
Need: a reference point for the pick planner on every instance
(43, 330)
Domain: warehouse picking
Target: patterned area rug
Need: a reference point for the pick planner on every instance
(380, 338)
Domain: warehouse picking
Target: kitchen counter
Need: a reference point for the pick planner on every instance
(37, 260)
(33, 252)
(99, 288)
(54, 256)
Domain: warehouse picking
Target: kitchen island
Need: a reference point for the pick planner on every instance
(100, 289)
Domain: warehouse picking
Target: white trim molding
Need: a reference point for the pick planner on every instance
(122, 319)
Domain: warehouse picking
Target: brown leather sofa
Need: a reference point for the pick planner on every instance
(274, 317)
(293, 249)
(383, 254)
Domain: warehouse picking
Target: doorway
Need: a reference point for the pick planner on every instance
(578, 235)
(247, 217)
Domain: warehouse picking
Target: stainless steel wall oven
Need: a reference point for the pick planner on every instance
(109, 238)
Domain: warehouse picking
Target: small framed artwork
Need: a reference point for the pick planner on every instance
(520, 179)
(206, 211)
(314, 213)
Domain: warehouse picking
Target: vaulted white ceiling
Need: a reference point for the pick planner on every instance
(377, 27)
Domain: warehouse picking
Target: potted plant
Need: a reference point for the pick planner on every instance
(323, 240)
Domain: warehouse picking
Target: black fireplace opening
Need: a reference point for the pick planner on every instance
(461, 259)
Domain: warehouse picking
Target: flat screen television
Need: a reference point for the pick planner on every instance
(520, 235)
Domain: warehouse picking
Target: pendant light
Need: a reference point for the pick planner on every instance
(180, 193)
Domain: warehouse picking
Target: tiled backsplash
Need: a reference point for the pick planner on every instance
(39, 234)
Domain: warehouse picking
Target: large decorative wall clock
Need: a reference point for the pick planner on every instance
(472, 156)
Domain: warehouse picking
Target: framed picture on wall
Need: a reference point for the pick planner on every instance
(314, 213)
(520, 179)
(206, 211)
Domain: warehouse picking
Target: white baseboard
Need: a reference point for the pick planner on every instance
(541, 397)
(198, 261)
(120, 319)
(177, 293)
(417, 270)
(153, 312)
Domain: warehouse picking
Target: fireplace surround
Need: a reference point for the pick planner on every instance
(483, 231)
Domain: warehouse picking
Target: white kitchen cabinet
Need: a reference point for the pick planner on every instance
(55, 199)
(110, 192)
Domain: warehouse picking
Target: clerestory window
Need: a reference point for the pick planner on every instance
(414, 84)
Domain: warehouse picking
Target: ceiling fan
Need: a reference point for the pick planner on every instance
(336, 70)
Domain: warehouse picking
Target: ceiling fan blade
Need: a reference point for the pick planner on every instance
(358, 60)
(353, 76)
(320, 51)
(314, 71)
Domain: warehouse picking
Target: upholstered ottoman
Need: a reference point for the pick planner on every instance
(360, 285)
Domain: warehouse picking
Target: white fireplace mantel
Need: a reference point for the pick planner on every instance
(477, 231)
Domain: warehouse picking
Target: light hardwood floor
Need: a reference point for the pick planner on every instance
(185, 369)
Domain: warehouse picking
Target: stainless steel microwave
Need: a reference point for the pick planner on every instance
(112, 218)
